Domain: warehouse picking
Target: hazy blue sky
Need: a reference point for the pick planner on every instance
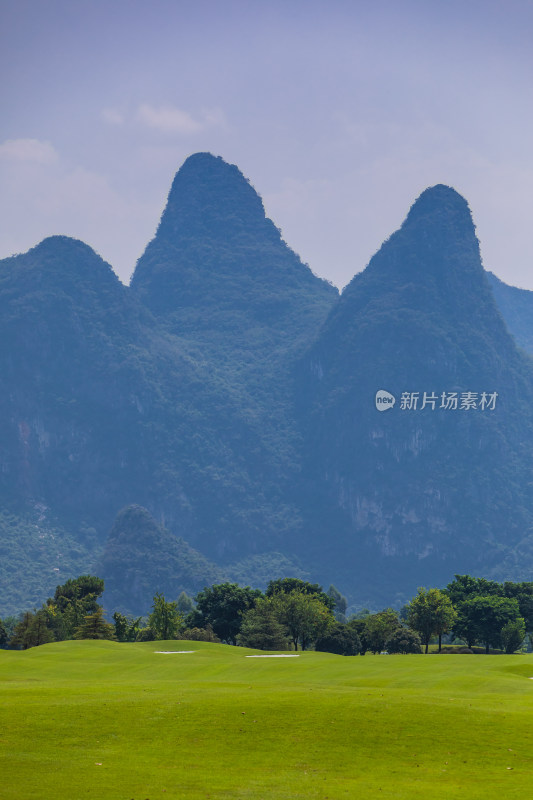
(340, 114)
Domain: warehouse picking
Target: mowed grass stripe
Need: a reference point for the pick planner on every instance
(112, 721)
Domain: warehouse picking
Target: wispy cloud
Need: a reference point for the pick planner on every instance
(112, 116)
(28, 150)
(170, 119)
(58, 196)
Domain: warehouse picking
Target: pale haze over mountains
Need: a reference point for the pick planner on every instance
(340, 113)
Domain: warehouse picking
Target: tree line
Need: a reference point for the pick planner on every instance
(290, 614)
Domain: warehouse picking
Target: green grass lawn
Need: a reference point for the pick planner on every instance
(120, 721)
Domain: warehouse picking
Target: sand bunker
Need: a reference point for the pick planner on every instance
(278, 655)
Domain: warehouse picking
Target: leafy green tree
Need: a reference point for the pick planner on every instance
(94, 626)
(71, 602)
(341, 639)
(445, 616)
(358, 625)
(32, 631)
(261, 628)
(288, 585)
(482, 619)
(165, 618)
(19, 638)
(3, 635)
(39, 633)
(512, 635)
(206, 634)
(146, 634)
(305, 616)
(222, 607)
(380, 627)
(403, 641)
(185, 604)
(523, 593)
(10, 623)
(339, 609)
(431, 613)
(465, 625)
(465, 586)
(87, 588)
(126, 628)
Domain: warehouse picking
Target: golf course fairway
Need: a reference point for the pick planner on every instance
(111, 721)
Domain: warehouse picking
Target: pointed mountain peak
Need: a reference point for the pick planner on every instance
(216, 249)
(429, 274)
(441, 215)
(210, 197)
(435, 246)
(440, 202)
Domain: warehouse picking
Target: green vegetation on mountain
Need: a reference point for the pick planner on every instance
(422, 488)
(225, 401)
(34, 555)
(516, 307)
(142, 558)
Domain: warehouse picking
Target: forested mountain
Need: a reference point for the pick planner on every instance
(231, 394)
(441, 480)
(103, 409)
(219, 277)
(516, 307)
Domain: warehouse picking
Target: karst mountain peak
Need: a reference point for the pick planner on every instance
(215, 249)
(211, 197)
(231, 393)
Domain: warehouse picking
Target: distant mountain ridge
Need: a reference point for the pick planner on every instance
(227, 401)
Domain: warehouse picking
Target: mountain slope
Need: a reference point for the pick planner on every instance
(102, 409)
(418, 493)
(218, 266)
(516, 307)
(234, 396)
(105, 405)
(219, 278)
(142, 558)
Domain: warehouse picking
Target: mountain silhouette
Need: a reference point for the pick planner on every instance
(241, 418)
(424, 487)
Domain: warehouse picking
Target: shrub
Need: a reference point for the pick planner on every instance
(342, 640)
(199, 635)
(146, 635)
(403, 640)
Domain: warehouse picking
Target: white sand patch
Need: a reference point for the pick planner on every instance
(280, 655)
(168, 652)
